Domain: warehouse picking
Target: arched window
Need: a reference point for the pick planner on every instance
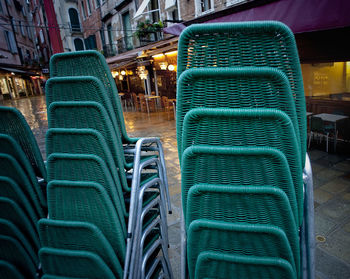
(78, 44)
(74, 20)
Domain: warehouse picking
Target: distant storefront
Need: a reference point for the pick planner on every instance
(16, 83)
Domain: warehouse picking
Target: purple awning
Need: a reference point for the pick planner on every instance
(299, 15)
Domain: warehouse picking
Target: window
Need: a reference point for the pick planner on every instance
(109, 33)
(98, 3)
(127, 31)
(89, 7)
(154, 7)
(74, 20)
(234, 2)
(83, 9)
(78, 44)
(90, 42)
(204, 7)
(10, 40)
(14, 23)
(22, 28)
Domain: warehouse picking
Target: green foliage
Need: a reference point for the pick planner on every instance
(146, 27)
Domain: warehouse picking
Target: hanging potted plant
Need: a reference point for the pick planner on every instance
(144, 29)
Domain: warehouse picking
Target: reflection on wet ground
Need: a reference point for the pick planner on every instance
(331, 174)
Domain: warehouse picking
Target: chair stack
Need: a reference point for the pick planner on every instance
(241, 136)
(22, 196)
(107, 193)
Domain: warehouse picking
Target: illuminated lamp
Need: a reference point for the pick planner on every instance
(171, 67)
(163, 65)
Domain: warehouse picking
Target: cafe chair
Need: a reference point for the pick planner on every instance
(136, 102)
(168, 106)
(320, 130)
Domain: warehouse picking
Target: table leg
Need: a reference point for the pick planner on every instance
(147, 106)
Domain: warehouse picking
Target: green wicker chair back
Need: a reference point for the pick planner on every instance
(9, 167)
(218, 265)
(8, 145)
(229, 165)
(9, 210)
(84, 167)
(9, 229)
(10, 189)
(241, 44)
(73, 235)
(88, 115)
(72, 263)
(83, 141)
(14, 124)
(8, 270)
(12, 251)
(247, 127)
(247, 87)
(91, 63)
(84, 88)
(236, 238)
(87, 202)
(236, 204)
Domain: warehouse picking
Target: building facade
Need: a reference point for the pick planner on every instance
(24, 48)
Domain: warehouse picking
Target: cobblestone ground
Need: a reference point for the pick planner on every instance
(331, 187)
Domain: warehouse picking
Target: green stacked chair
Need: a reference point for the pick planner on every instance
(16, 258)
(237, 238)
(241, 130)
(9, 210)
(8, 270)
(74, 263)
(9, 167)
(92, 63)
(226, 165)
(7, 228)
(235, 204)
(87, 202)
(246, 44)
(246, 87)
(247, 127)
(10, 189)
(74, 235)
(218, 265)
(88, 168)
(14, 124)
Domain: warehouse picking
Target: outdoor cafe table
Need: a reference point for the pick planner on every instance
(148, 97)
(333, 118)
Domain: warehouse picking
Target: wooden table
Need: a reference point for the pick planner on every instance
(333, 118)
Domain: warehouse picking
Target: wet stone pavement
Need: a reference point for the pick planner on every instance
(331, 175)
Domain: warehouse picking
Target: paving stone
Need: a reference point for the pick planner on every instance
(329, 266)
(322, 196)
(338, 244)
(343, 166)
(323, 225)
(316, 155)
(337, 209)
(336, 186)
(329, 174)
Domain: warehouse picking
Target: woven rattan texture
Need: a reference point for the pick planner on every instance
(87, 202)
(8, 270)
(73, 235)
(84, 141)
(247, 87)
(218, 265)
(71, 263)
(259, 44)
(10, 189)
(9, 210)
(14, 124)
(88, 115)
(13, 252)
(246, 127)
(252, 205)
(80, 89)
(91, 63)
(9, 229)
(235, 238)
(83, 167)
(229, 165)
(10, 168)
